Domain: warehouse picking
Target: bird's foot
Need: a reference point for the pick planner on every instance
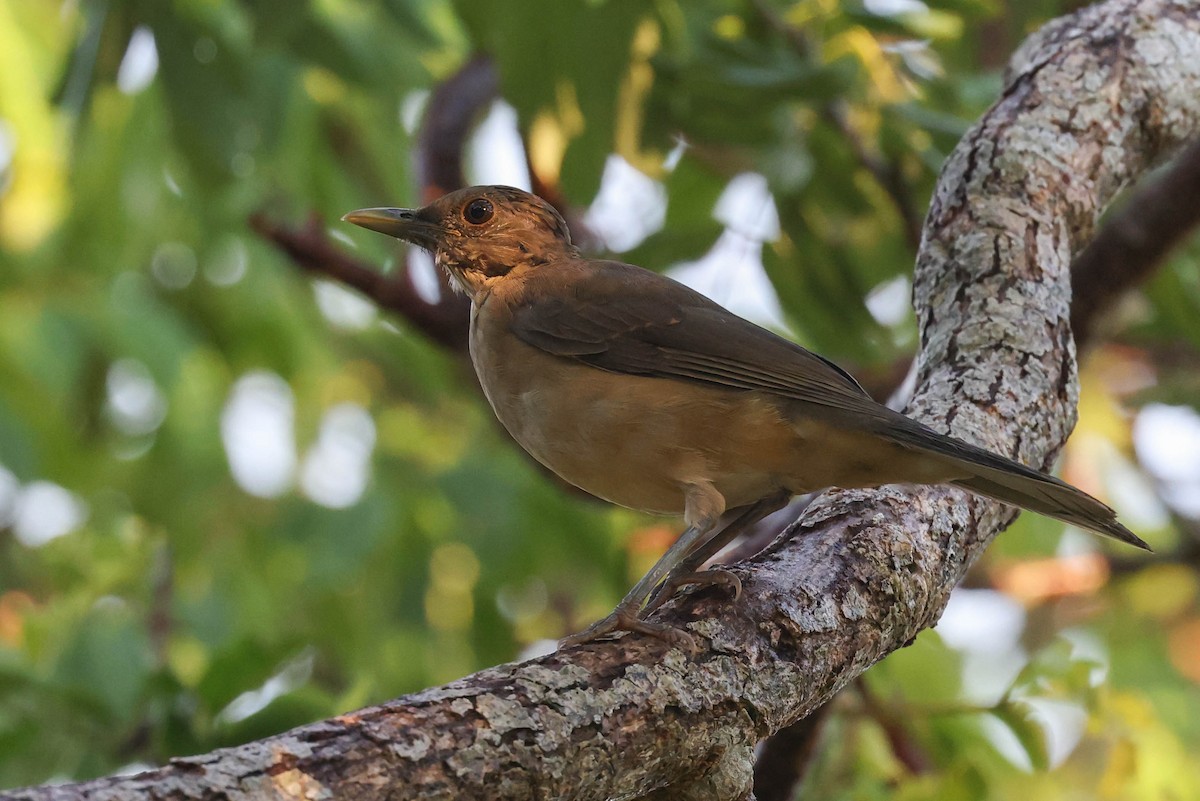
(624, 619)
(703, 578)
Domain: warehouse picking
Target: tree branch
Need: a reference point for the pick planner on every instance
(453, 108)
(449, 116)
(1135, 241)
(444, 321)
(786, 756)
(1097, 98)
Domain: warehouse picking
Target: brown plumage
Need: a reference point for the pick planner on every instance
(648, 394)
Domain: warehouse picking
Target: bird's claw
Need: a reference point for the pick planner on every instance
(706, 578)
(627, 618)
(622, 619)
(703, 578)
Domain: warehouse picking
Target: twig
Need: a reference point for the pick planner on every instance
(451, 112)
(443, 321)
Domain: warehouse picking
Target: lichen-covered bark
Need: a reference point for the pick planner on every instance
(1093, 101)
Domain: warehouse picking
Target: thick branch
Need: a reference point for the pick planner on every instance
(1096, 100)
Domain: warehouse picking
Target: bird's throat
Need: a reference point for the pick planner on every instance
(467, 282)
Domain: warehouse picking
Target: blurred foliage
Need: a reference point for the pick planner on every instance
(154, 601)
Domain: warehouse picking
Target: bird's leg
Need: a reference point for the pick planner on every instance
(688, 570)
(703, 509)
(625, 616)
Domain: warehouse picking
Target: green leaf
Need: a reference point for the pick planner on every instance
(207, 89)
(109, 659)
(566, 59)
(1021, 720)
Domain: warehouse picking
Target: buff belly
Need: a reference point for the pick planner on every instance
(640, 441)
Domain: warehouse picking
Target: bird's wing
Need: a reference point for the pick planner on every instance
(628, 320)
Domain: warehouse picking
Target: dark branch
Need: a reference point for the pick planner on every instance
(907, 750)
(1136, 240)
(785, 757)
(310, 249)
(449, 118)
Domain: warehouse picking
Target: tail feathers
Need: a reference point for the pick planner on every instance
(1002, 479)
(1053, 498)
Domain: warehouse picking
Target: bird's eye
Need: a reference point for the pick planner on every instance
(478, 211)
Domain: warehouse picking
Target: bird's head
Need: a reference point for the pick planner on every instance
(477, 234)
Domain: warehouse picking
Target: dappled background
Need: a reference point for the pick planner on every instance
(237, 495)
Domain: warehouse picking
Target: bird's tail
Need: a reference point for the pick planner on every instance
(1051, 497)
(1005, 480)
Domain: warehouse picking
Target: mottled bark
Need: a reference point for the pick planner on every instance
(1093, 100)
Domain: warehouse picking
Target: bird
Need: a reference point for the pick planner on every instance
(645, 393)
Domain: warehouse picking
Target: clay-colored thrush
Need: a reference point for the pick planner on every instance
(650, 395)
